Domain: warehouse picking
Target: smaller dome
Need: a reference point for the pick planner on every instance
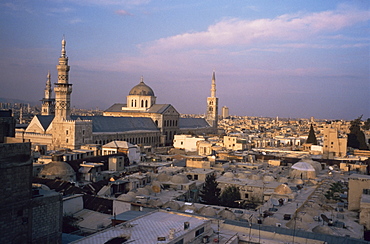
(172, 205)
(58, 170)
(163, 177)
(180, 179)
(142, 89)
(142, 191)
(126, 198)
(229, 174)
(283, 189)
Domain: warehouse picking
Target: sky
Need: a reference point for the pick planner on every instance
(288, 58)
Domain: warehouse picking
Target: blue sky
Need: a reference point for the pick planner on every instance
(272, 58)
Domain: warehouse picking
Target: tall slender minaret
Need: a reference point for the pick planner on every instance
(212, 105)
(47, 101)
(63, 89)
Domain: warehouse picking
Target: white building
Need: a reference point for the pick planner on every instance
(114, 147)
(186, 142)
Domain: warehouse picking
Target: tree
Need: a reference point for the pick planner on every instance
(356, 137)
(210, 193)
(311, 136)
(229, 196)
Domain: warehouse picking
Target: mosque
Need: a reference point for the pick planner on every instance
(138, 121)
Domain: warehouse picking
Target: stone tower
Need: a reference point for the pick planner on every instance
(47, 101)
(63, 89)
(212, 105)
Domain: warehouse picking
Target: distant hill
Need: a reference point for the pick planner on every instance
(13, 100)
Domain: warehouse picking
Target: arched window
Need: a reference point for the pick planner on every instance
(142, 103)
(156, 122)
(210, 109)
(146, 103)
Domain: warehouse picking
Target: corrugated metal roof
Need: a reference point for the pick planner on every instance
(148, 228)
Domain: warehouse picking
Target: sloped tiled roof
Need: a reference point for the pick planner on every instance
(109, 124)
(117, 107)
(156, 108)
(193, 123)
(45, 120)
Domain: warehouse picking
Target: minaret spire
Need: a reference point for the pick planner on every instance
(63, 53)
(47, 101)
(62, 88)
(212, 105)
(213, 87)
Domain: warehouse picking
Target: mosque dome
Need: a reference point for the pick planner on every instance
(142, 89)
(58, 170)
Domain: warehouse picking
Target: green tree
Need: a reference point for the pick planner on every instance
(229, 196)
(210, 193)
(356, 137)
(311, 136)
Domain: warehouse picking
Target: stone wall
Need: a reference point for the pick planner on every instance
(47, 218)
(15, 192)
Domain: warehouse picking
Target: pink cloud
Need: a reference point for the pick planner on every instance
(295, 27)
(122, 12)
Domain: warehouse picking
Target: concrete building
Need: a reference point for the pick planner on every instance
(186, 142)
(235, 143)
(356, 185)
(225, 112)
(114, 147)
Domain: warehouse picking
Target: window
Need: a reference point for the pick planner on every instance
(66, 132)
(200, 231)
(195, 177)
(246, 195)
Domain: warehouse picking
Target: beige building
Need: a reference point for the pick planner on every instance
(356, 185)
(235, 143)
(334, 144)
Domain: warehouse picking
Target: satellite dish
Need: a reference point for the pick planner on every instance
(156, 189)
(331, 167)
(326, 219)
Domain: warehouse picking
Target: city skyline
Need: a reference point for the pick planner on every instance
(289, 60)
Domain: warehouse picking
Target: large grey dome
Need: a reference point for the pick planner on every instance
(142, 89)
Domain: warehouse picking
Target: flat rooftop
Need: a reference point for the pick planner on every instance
(148, 228)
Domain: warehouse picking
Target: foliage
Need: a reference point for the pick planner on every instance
(366, 126)
(229, 196)
(356, 137)
(210, 193)
(335, 188)
(311, 136)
